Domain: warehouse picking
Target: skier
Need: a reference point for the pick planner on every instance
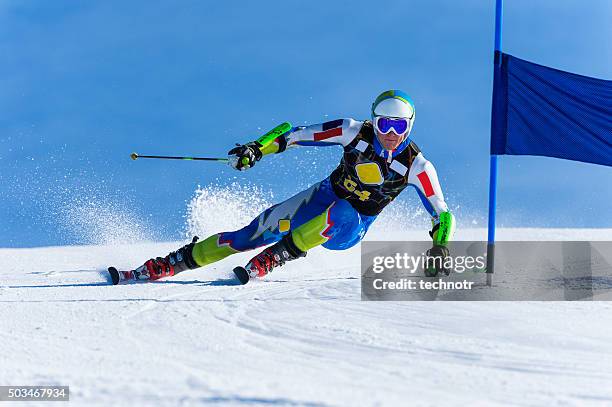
(379, 161)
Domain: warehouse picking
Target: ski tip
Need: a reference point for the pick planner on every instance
(242, 275)
(114, 275)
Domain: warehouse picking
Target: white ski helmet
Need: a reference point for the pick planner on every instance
(394, 103)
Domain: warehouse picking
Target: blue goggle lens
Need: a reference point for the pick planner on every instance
(385, 124)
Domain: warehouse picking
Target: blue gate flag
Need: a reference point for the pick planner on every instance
(543, 111)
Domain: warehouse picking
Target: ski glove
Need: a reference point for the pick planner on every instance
(243, 157)
(435, 261)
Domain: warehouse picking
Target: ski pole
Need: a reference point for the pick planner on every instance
(135, 156)
(264, 140)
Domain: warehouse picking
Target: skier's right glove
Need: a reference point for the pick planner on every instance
(243, 157)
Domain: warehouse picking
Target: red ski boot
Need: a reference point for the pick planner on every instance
(159, 267)
(272, 256)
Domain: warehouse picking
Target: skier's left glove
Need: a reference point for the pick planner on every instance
(243, 157)
(435, 261)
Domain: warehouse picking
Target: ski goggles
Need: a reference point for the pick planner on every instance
(385, 124)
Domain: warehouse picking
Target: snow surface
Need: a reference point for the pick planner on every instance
(301, 337)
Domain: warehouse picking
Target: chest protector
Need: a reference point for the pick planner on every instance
(368, 181)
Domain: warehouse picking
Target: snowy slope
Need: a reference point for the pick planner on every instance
(300, 337)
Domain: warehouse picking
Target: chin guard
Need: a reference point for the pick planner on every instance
(443, 230)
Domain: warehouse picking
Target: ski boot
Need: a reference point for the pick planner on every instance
(272, 256)
(154, 269)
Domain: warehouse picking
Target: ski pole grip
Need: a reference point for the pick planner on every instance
(133, 156)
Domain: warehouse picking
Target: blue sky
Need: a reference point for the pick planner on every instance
(86, 83)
